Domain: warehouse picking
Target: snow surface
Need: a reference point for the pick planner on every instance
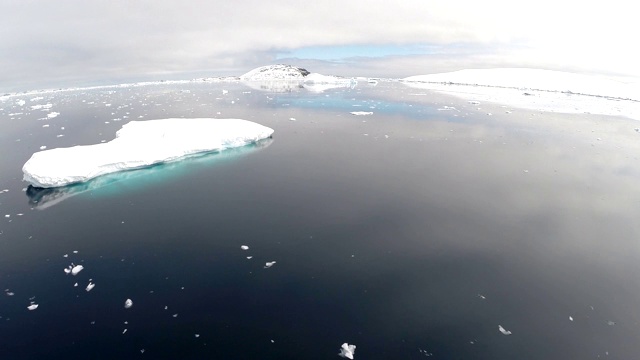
(538, 89)
(140, 144)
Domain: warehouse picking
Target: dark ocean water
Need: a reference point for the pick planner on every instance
(414, 232)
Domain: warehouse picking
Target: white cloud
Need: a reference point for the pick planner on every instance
(100, 39)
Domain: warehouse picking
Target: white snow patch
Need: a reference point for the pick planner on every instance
(140, 144)
(347, 351)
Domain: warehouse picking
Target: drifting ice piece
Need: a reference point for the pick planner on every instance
(140, 144)
(503, 330)
(128, 304)
(347, 351)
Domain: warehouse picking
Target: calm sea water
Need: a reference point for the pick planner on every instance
(413, 232)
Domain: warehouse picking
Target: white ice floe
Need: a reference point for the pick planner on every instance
(269, 264)
(32, 307)
(503, 331)
(140, 144)
(361, 113)
(52, 115)
(128, 303)
(90, 286)
(73, 269)
(244, 247)
(347, 351)
(537, 89)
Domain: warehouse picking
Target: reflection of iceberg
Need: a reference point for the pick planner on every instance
(43, 198)
(279, 86)
(140, 144)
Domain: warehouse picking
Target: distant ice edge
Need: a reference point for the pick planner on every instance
(140, 144)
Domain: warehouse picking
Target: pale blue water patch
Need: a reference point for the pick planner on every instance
(359, 99)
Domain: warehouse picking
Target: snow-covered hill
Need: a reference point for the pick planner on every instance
(287, 78)
(275, 72)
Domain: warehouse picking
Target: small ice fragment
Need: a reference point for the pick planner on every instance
(611, 323)
(473, 102)
(292, 119)
(570, 318)
(225, 92)
(67, 270)
(197, 335)
(503, 331)
(249, 257)
(244, 247)
(75, 251)
(32, 307)
(7, 216)
(272, 341)
(347, 351)
(76, 269)
(43, 147)
(75, 285)
(141, 351)
(175, 315)
(128, 303)
(52, 114)
(90, 286)
(124, 331)
(269, 264)
(482, 296)
(386, 136)
(361, 113)
(10, 293)
(65, 255)
(166, 307)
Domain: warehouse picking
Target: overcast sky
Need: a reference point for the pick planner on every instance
(79, 42)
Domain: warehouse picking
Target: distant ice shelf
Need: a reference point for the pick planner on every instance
(539, 89)
(140, 144)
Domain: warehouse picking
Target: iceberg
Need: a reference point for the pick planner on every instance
(140, 144)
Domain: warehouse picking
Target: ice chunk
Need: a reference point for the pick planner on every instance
(73, 269)
(128, 303)
(32, 306)
(90, 286)
(503, 331)
(244, 247)
(347, 351)
(361, 113)
(140, 144)
(269, 264)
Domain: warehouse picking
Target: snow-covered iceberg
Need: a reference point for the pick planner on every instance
(538, 89)
(140, 144)
(287, 78)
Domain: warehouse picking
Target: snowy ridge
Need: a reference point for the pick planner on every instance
(140, 144)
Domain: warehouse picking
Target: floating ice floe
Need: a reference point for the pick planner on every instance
(503, 331)
(347, 351)
(244, 247)
(90, 286)
(128, 303)
(269, 264)
(140, 144)
(361, 113)
(73, 270)
(32, 307)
